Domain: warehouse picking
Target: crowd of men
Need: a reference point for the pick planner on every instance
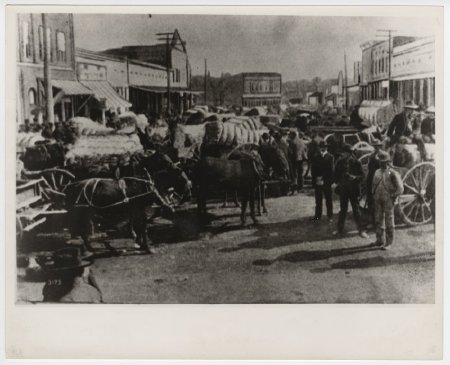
(337, 170)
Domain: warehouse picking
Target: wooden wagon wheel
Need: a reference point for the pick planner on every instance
(58, 179)
(362, 146)
(364, 159)
(414, 204)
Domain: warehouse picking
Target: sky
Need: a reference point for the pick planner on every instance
(297, 47)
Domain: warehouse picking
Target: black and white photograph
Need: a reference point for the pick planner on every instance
(224, 159)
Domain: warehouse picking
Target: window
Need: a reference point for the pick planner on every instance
(49, 43)
(41, 42)
(26, 46)
(32, 96)
(61, 47)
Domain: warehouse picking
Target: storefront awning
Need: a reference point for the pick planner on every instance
(163, 90)
(417, 76)
(104, 91)
(71, 87)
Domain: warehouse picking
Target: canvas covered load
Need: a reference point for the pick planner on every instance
(87, 127)
(231, 134)
(376, 113)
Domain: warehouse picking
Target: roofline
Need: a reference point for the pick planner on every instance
(82, 52)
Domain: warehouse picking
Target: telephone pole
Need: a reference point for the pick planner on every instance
(47, 73)
(166, 37)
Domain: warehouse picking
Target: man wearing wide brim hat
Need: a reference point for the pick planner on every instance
(401, 124)
(401, 128)
(348, 175)
(322, 171)
(387, 185)
(68, 278)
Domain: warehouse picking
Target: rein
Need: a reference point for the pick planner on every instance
(84, 194)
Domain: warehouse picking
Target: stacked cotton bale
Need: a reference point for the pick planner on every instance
(87, 127)
(114, 144)
(233, 132)
(25, 140)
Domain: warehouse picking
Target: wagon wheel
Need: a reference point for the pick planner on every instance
(362, 146)
(57, 179)
(414, 203)
(364, 159)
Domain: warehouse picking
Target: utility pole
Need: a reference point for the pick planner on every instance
(166, 37)
(47, 73)
(345, 82)
(205, 79)
(388, 33)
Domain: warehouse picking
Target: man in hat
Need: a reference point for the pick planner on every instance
(322, 171)
(401, 128)
(348, 175)
(373, 165)
(401, 124)
(386, 187)
(69, 279)
(427, 129)
(297, 154)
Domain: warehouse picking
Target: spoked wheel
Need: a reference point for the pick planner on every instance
(415, 202)
(364, 159)
(362, 148)
(57, 179)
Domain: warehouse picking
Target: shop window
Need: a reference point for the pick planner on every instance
(26, 46)
(32, 96)
(61, 47)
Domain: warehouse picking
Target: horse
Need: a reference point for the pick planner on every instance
(243, 173)
(111, 201)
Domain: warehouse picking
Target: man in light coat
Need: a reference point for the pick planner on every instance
(297, 154)
(387, 185)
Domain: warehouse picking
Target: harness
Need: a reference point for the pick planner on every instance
(122, 185)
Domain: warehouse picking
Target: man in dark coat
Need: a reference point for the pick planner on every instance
(297, 154)
(427, 129)
(348, 175)
(355, 120)
(322, 171)
(401, 128)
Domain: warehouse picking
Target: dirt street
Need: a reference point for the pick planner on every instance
(286, 258)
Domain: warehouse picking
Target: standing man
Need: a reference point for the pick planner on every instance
(387, 186)
(297, 154)
(322, 171)
(348, 175)
(373, 165)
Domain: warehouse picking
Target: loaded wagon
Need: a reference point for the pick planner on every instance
(33, 205)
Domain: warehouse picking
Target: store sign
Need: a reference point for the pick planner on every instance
(385, 83)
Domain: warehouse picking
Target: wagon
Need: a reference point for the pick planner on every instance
(414, 205)
(33, 205)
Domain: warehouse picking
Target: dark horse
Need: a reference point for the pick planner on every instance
(244, 173)
(111, 201)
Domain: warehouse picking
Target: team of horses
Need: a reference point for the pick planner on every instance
(127, 191)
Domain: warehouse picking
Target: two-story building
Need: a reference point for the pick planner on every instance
(68, 93)
(107, 78)
(149, 69)
(413, 73)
